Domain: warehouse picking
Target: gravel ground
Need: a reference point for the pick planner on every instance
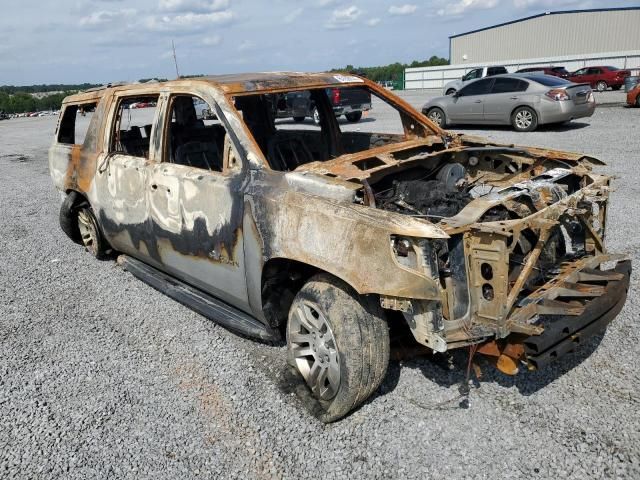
(102, 376)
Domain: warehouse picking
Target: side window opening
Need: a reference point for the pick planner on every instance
(75, 123)
(132, 128)
(196, 137)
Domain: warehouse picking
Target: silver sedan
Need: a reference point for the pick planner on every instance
(523, 101)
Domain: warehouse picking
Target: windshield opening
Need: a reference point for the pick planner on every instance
(303, 126)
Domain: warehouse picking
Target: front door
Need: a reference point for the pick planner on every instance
(196, 203)
(467, 106)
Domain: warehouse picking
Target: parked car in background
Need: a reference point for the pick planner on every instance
(633, 96)
(600, 78)
(455, 85)
(350, 102)
(554, 71)
(4, 116)
(522, 100)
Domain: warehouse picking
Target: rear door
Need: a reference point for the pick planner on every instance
(506, 94)
(122, 171)
(468, 105)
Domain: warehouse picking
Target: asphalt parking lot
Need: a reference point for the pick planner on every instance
(103, 377)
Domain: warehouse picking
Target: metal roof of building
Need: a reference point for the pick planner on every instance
(563, 12)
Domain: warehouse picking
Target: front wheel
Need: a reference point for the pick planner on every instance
(353, 116)
(437, 116)
(524, 119)
(339, 342)
(298, 119)
(601, 86)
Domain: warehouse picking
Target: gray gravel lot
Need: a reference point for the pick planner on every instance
(102, 376)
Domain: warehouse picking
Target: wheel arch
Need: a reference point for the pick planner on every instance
(281, 279)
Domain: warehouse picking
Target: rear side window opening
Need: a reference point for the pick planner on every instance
(131, 134)
(75, 123)
(303, 126)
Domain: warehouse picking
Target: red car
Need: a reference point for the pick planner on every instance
(633, 96)
(600, 78)
(555, 71)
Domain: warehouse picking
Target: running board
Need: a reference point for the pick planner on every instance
(199, 301)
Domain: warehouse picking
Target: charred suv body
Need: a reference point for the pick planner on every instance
(328, 233)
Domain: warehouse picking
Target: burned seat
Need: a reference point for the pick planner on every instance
(198, 154)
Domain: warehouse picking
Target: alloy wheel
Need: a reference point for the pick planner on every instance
(314, 350)
(436, 117)
(524, 119)
(88, 231)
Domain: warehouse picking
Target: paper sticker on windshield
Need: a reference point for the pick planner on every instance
(348, 79)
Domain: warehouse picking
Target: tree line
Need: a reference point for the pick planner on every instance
(18, 99)
(23, 102)
(393, 72)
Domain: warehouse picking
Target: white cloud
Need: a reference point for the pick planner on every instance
(211, 41)
(326, 3)
(290, 17)
(106, 17)
(193, 6)
(246, 45)
(343, 18)
(188, 21)
(527, 4)
(463, 6)
(406, 9)
(372, 22)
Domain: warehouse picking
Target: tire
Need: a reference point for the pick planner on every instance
(344, 337)
(68, 217)
(298, 119)
(524, 119)
(638, 101)
(616, 87)
(451, 91)
(437, 116)
(91, 234)
(353, 117)
(601, 86)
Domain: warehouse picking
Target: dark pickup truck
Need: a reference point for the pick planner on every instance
(347, 101)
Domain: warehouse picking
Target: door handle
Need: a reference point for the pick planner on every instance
(514, 98)
(478, 101)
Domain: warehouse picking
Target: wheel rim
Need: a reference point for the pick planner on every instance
(524, 119)
(314, 350)
(436, 117)
(316, 115)
(88, 231)
(602, 86)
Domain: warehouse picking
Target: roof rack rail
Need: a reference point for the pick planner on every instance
(103, 87)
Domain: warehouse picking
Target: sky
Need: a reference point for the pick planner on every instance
(101, 41)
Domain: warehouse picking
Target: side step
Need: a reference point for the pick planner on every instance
(199, 301)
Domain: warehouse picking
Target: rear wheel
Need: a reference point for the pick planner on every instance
(316, 116)
(339, 342)
(353, 116)
(90, 233)
(601, 86)
(524, 119)
(437, 116)
(68, 216)
(616, 87)
(298, 119)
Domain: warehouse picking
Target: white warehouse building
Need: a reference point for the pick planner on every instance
(574, 39)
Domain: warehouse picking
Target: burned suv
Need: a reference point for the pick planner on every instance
(328, 234)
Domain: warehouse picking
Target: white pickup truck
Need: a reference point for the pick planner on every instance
(455, 85)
